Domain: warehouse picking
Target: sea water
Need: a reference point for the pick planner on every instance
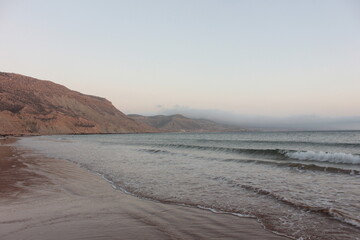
(301, 184)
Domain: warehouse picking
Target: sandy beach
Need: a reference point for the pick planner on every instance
(42, 198)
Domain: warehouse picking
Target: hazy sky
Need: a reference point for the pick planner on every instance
(270, 58)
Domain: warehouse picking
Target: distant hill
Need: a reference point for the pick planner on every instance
(29, 106)
(180, 123)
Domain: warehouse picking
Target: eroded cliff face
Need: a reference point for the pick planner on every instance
(29, 106)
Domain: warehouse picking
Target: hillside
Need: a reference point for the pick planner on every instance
(29, 106)
(180, 123)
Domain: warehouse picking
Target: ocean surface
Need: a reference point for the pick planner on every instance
(301, 184)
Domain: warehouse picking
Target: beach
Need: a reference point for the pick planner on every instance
(46, 198)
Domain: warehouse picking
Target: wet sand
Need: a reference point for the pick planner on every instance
(42, 198)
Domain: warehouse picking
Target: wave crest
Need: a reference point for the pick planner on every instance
(323, 156)
(279, 154)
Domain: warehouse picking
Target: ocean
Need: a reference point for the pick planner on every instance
(305, 185)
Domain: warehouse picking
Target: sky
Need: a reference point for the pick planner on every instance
(274, 59)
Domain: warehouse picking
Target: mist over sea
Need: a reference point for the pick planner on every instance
(302, 184)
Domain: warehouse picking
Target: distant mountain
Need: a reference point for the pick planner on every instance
(180, 123)
(29, 106)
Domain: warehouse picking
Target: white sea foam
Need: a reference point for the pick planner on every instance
(344, 218)
(325, 157)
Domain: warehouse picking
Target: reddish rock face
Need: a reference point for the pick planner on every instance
(29, 106)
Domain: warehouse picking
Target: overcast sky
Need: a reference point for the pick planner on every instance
(270, 58)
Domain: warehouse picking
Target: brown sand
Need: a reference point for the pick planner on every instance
(43, 198)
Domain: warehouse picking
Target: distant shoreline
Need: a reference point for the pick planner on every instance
(244, 131)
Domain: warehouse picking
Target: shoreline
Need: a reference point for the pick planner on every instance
(44, 198)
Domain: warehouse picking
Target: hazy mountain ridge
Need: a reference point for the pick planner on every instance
(29, 106)
(180, 123)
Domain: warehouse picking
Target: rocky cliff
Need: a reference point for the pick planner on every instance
(29, 106)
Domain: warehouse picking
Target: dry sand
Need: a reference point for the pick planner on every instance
(42, 198)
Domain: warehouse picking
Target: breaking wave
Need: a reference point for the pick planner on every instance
(280, 154)
(296, 143)
(324, 157)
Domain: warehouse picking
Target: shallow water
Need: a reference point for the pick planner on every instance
(302, 184)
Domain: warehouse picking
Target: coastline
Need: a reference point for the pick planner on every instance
(44, 198)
